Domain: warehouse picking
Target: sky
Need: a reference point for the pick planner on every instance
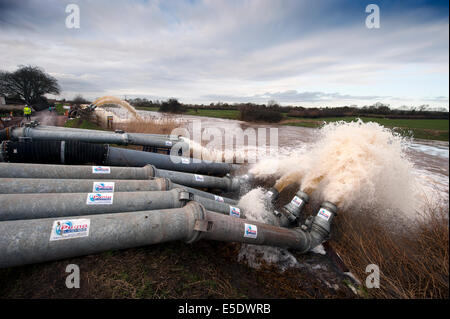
(308, 53)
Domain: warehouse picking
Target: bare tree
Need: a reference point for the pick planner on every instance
(29, 83)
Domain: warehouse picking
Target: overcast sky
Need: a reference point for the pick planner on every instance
(310, 53)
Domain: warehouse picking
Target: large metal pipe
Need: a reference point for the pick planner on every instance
(18, 170)
(225, 183)
(94, 136)
(32, 206)
(42, 185)
(51, 128)
(40, 240)
(127, 157)
(36, 185)
(79, 153)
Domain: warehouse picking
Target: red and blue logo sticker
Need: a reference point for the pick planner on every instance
(251, 231)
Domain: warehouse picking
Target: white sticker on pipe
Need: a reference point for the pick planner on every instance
(101, 170)
(185, 160)
(103, 187)
(251, 231)
(100, 198)
(168, 143)
(235, 212)
(70, 228)
(199, 178)
(297, 201)
(323, 213)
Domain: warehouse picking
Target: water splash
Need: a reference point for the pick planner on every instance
(114, 100)
(352, 164)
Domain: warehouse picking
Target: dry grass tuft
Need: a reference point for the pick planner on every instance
(413, 258)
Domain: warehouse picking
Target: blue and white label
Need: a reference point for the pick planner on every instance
(323, 213)
(70, 228)
(218, 198)
(251, 231)
(168, 143)
(235, 212)
(103, 187)
(100, 198)
(297, 201)
(199, 178)
(101, 170)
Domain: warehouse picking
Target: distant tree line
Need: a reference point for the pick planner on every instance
(273, 112)
(376, 110)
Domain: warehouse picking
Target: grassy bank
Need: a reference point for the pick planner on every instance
(224, 114)
(418, 128)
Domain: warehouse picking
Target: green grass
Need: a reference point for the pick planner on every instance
(146, 108)
(59, 109)
(407, 123)
(418, 128)
(225, 114)
(80, 123)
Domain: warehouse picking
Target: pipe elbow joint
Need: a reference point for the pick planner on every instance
(321, 224)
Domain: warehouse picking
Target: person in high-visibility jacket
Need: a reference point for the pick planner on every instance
(27, 112)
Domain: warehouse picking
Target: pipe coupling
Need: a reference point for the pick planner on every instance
(198, 221)
(150, 171)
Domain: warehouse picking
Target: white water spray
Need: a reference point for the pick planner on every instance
(352, 164)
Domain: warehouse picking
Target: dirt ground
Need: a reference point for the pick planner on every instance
(174, 270)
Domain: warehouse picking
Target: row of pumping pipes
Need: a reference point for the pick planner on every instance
(63, 193)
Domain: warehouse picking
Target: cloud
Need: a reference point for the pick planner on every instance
(293, 96)
(199, 50)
